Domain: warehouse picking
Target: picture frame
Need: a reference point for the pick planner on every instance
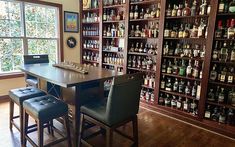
(86, 4)
(71, 23)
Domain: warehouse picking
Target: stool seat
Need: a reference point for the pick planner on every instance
(46, 107)
(21, 94)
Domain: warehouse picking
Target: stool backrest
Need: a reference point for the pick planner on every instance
(34, 59)
(124, 97)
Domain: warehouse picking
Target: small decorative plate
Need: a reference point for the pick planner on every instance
(71, 42)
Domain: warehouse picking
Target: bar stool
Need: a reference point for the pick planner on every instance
(44, 109)
(17, 96)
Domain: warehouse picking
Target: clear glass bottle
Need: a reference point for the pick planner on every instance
(179, 103)
(213, 74)
(222, 116)
(231, 30)
(221, 96)
(189, 69)
(168, 85)
(208, 112)
(224, 53)
(232, 6)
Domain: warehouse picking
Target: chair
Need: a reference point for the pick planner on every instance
(121, 107)
(34, 59)
(44, 109)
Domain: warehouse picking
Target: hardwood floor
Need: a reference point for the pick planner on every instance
(155, 130)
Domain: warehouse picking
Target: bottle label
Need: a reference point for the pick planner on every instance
(230, 79)
(221, 7)
(222, 78)
(185, 106)
(178, 105)
(207, 114)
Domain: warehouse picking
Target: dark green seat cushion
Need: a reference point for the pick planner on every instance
(21, 94)
(46, 107)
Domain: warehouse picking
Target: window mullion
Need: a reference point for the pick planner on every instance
(25, 40)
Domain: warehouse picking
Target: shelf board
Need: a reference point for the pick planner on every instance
(90, 61)
(131, 68)
(226, 14)
(168, 38)
(181, 77)
(185, 58)
(114, 21)
(113, 37)
(91, 9)
(223, 39)
(182, 17)
(112, 51)
(112, 64)
(142, 54)
(181, 112)
(148, 87)
(96, 37)
(221, 62)
(144, 19)
(92, 49)
(218, 125)
(114, 6)
(90, 23)
(142, 38)
(147, 103)
(222, 84)
(144, 2)
(178, 94)
(220, 104)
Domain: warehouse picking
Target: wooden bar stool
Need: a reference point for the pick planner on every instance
(17, 96)
(44, 109)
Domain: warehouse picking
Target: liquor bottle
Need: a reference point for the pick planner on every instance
(142, 13)
(232, 6)
(213, 74)
(158, 10)
(186, 32)
(194, 8)
(215, 52)
(194, 89)
(223, 75)
(188, 88)
(132, 32)
(226, 6)
(211, 95)
(231, 30)
(231, 97)
(136, 47)
(179, 103)
(173, 102)
(230, 75)
(137, 31)
(230, 117)
(180, 10)
(129, 62)
(167, 31)
(196, 69)
(147, 14)
(186, 10)
(131, 12)
(113, 31)
(181, 31)
(225, 29)
(105, 15)
(163, 82)
(168, 85)
(181, 86)
(182, 69)
(193, 107)
(186, 105)
(215, 114)
(136, 13)
(153, 12)
(161, 99)
(167, 100)
(221, 6)
(189, 69)
(198, 91)
(175, 68)
(164, 66)
(142, 94)
(168, 11)
(203, 8)
(174, 11)
(224, 53)
(221, 96)
(208, 112)
(152, 99)
(134, 62)
(169, 68)
(232, 56)
(174, 31)
(222, 116)
(147, 96)
(202, 29)
(194, 32)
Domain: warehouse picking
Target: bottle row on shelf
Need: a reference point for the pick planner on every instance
(175, 85)
(223, 74)
(147, 95)
(90, 17)
(110, 45)
(114, 58)
(150, 31)
(152, 11)
(113, 2)
(114, 31)
(149, 81)
(111, 67)
(183, 50)
(93, 44)
(90, 31)
(141, 48)
(220, 114)
(224, 52)
(225, 29)
(188, 10)
(113, 15)
(182, 68)
(141, 62)
(226, 6)
(90, 56)
(221, 95)
(188, 30)
(180, 103)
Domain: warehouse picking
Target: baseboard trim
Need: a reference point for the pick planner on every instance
(4, 98)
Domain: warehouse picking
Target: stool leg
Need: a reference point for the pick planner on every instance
(109, 137)
(11, 113)
(51, 127)
(81, 126)
(66, 124)
(21, 124)
(135, 131)
(40, 133)
(25, 127)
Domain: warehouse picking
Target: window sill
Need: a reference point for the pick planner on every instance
(11, 75)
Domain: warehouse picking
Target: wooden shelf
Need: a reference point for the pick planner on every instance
(144, 2)
(92, 49)
(147, 87)
(112, 64)
(223, 39)
(144, 19)
(91, 9)
(142, 38)
(168, 38)
(141, 70)
(178, 94)
(113, 51)
(114, 6)
(185, 58)
(90, 61)
(220, 104)
(182, 77)
(90, 23)
(147, 103)
(141, 54)
(94, 37)
(114, 21)
(226, 14)
(113, 37)
(221, 62)
(222, 84)
(183, 17)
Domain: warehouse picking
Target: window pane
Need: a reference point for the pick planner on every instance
(11, 54)
(10, 19)
(43, 46)
(40, 21)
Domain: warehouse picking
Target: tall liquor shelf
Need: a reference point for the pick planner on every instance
(183, 47)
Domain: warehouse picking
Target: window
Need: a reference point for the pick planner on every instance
(27, 28)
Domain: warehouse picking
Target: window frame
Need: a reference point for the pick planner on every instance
(24, 38)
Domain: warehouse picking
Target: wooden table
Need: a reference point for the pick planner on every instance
(74, 88)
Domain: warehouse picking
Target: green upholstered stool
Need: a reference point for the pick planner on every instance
(120, 108)
(44, 109)
(17, 96)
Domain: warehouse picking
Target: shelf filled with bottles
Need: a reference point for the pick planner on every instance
(182, 77)
(178, 94)
(147, 91)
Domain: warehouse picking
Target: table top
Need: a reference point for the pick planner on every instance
(66, 78)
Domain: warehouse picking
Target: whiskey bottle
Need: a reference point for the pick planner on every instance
(213, 74)
(158, 10)
(230, 75)
(189, 69)
(194, 8)
(137, 31)
(167, 31)
(182, 69)
(215, 114)
(186, 32)
(223, 75)
(169, 68)
(175, 68)
(193, 107)
(131, 12)
(164, 66)
(215, 52)
(168, 85)
(221, 96)
(231, 97)
(175, 85)
(180, 10)
(208, 112)
(211, 95)
(181, 31)
(186, 10)
(222, 116)
(225, 29)
(163, 82)
(232, 6)
(221, 6)
(179, 103)
(132, 33)
(196, 69)
(198, 91)
(202, 29)
(168, 11)
(161, 99)
(142, 13)
(137, 47)
(232, 56)
(186, 105)
(203, 8)
(230, 117)
(226, 6)
(153, 12)
(181, 86)
(173, 102)
(224, 53)
(136, 13)
(129, 62)
(174, 11)
(231, 30)
(188, 88)
(194, 89)
(167, 100)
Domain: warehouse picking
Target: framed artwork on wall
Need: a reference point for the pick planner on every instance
(86, 4)
(71, 22)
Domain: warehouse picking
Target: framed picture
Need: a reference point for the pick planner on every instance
(71, 22)
(86, 4)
